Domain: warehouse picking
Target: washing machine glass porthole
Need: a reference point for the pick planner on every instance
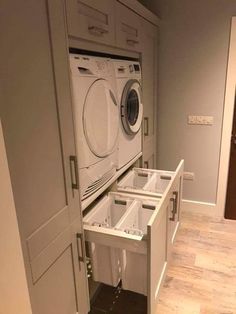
(131, 107)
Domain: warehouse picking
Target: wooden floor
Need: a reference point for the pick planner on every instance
(202, 276)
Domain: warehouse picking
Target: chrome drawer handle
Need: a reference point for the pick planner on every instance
(132, 41)
(176, 195)
(96, 30)
(80, 247)
(146, 126)
(172, 218)
(74, 173)
(175, 205)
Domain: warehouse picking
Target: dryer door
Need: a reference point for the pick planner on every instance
(131, 107)
(100, 118)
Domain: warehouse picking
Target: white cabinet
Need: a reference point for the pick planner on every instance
(149, 86)
(39, 149)
(149, 152)
(174, 212)
(105, 21)
(91, 20)
(128, 231)
(128, 28)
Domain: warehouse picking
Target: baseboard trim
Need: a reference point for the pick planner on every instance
(208, 209)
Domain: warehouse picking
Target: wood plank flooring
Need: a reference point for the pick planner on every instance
(202, 276)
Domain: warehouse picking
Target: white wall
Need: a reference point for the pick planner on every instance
(193, 55)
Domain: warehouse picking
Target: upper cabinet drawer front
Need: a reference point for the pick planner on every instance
(91, 20)
(128, 28)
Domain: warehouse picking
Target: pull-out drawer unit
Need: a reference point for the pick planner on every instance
(146, 181)
(128, 233)
(128, 241)
(155, 183)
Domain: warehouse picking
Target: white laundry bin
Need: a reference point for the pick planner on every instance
(134, 265)
(143, 181)
(105, 260)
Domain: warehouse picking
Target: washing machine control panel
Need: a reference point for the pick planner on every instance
(127, 69)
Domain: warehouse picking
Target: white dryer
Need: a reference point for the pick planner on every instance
(128, 82)
(96, 120)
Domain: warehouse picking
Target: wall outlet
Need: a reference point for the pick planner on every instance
(189, 176)
(201, 120)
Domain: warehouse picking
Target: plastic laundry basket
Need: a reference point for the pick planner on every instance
(105, 260)
(134, 265)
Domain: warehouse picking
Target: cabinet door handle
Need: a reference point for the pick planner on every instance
(132, 42)
(74, 173)
(172, 218)
(146, 126)
(97, 30)
(176, 195)
(80, 248)
(146, 164)
(175, 205)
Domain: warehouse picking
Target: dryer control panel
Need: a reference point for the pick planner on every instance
(82, 65)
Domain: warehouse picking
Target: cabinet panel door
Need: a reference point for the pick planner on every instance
(91, 20)
(157, 254)
(174, 209)
(128, 28)
(149, 154)
(38, 129)
(149, 161)
(54, 291)
(149, 84)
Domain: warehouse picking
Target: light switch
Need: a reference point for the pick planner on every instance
(189, 176)
(201, 120)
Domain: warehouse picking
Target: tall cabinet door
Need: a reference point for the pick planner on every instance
(149, 84)
(37, 123)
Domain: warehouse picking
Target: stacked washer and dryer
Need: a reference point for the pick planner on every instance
(108, 115)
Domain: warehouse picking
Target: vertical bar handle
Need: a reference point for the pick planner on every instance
(146, 164)
(172, 218)
(176, 196)
(74, 173)
(146, 126)
(175, 205)
(80, 248)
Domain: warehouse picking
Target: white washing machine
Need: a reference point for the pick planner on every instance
(96, 120)
(128, 82)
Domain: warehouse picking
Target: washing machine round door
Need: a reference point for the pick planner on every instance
(100, 118)
(131, 107)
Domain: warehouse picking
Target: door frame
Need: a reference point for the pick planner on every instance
(227, 123)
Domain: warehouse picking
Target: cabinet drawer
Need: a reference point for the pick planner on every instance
(91, 20)
(129, 231)
(122, 231)
(156, 183)
(150, 182)
(145, 181)
(128, 28)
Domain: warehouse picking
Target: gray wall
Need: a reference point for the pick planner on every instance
(194, 42)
